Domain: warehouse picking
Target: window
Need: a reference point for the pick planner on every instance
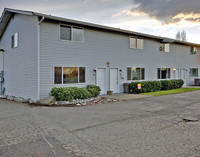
(194, 72)
(14, 40)
(58, 75)
(69, 75)
(163, 73)
(165, 47)
(135, 73)
(193, 50)
(136, 43)
(65, 32)
(77, 34)
(71, 33)
(81, 75)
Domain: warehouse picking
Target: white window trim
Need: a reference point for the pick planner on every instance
(68, 84)
(194, 76)
(164, 49)
(160, 74)
(136, 42)
(59, 32)
(60, 24)
(82, 34)
(15, 40)
(140, 74)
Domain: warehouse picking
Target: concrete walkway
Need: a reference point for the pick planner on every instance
(191, 87)
(123, 96)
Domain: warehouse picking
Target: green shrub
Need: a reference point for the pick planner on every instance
(94, 90)
(166, 84)
(80, 93)
(179, 83)
(152, 86)
(171, 84)
(70, 93)
(146, 86)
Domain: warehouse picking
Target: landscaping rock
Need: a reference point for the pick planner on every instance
(91, 99)
(10, 97)
(58, 103)
(109, 99)
(31, 102)
(4, 96)
(65, 102)
(18, 99)
(26, 100)
(95, 101)
(48, 100)
(84, 104)
(77, 102)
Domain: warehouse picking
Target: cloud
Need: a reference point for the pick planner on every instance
(128, 12)
(157, 17)
(86, 1)
(169, 11)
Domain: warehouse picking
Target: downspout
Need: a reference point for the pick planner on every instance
(2, 74)
(38, 61)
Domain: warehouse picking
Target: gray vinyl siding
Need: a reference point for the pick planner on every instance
(102, 46)
(20, 64)
(99, 47)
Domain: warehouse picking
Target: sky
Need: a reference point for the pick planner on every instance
(156, 17)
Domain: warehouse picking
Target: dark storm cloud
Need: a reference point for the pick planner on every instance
(97, 11)
(170, 11)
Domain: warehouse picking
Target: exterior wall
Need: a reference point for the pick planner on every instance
(183, 59)
(100, 47)
(20, 64)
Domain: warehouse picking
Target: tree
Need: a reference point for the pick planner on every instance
(181, 35)
(178, 35)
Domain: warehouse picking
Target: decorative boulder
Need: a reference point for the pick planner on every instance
(48, 100)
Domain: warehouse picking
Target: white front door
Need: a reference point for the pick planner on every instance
(177, 73)
(114, 80)
(101, 80)
(183, 75)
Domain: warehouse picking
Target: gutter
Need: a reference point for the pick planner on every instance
(108, 28)
(38, 54)
(87, 24)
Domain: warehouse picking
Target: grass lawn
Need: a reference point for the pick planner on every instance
(173, 91)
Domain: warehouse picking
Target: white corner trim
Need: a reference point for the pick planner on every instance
(38, 58)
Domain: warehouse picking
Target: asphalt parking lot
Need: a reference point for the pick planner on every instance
(146, 127)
